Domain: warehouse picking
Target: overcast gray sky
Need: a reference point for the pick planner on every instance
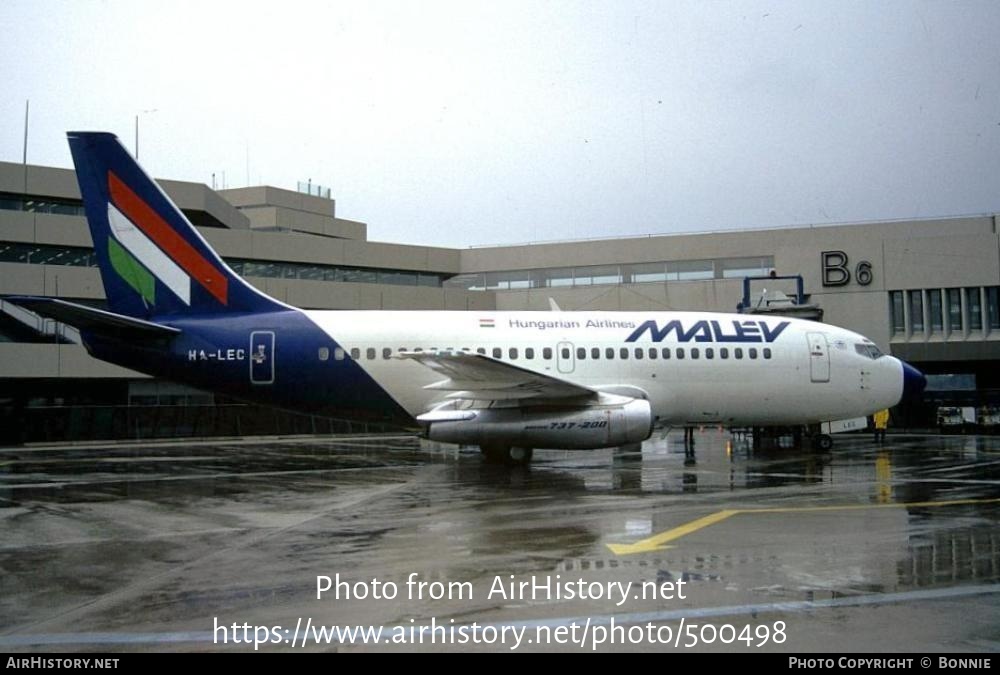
(461, 123)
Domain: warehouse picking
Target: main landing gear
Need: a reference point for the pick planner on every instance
(510, 455)
(822, 441)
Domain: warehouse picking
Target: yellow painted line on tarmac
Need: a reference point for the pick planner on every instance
(657, 541)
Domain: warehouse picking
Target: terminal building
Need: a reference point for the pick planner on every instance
(927, 291)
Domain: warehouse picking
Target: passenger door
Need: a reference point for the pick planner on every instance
(262, 357)
(565, 358)
(819, 357)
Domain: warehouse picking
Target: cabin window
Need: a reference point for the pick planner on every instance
(355, 353)
(565, 352)
(680, 352)
(738, 352)
(752, 352)
(609, 352)
(709, 353)
(724, 352)
(581, 353)
(623, 353)
(370, 353)
(767, 352)
(481, 350)
(386, 353)
(529, 353)
(324, 353)
(497, 353)
(512, 352)
(547, 353)
(665, 352)
(695, 353)
(595, 352)
(338, 354)
(638, 352)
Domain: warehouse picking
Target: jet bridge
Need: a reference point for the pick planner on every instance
(777, 297)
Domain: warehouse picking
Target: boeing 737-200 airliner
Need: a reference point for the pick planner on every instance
(505, 381)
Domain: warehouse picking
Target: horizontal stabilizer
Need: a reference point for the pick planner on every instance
(91, 319)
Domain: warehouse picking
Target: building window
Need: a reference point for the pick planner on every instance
(690, 270)
(993, 307)
(955, 309)
(916, 299)
(975, 308)
(934, 310)
(896, 311)
(643, 273)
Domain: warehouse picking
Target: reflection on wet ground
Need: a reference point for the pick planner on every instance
(140, 546)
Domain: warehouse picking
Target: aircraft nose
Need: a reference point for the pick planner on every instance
(913, 382)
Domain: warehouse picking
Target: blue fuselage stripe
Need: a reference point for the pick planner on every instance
(272, 358)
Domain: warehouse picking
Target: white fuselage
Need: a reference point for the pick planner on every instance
(693, 367)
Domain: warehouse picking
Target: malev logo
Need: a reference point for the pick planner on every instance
(710, 331)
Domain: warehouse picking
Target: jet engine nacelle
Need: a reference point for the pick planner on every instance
(589, 428)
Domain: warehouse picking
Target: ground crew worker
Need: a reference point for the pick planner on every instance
(881, 422)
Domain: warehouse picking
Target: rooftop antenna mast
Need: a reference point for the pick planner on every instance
(24, 155)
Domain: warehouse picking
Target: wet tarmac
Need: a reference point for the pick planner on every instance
(213, 546)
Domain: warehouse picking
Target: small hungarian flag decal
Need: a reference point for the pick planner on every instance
(486, 323)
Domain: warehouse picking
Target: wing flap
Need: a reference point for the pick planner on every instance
(479, 377)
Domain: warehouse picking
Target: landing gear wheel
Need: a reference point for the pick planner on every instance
(823, 441)
(510, 455)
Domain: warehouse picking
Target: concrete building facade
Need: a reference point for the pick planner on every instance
(927, 291)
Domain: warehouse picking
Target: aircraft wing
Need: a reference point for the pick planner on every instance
(479, 377)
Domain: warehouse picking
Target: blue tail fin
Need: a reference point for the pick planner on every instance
(152, 260)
